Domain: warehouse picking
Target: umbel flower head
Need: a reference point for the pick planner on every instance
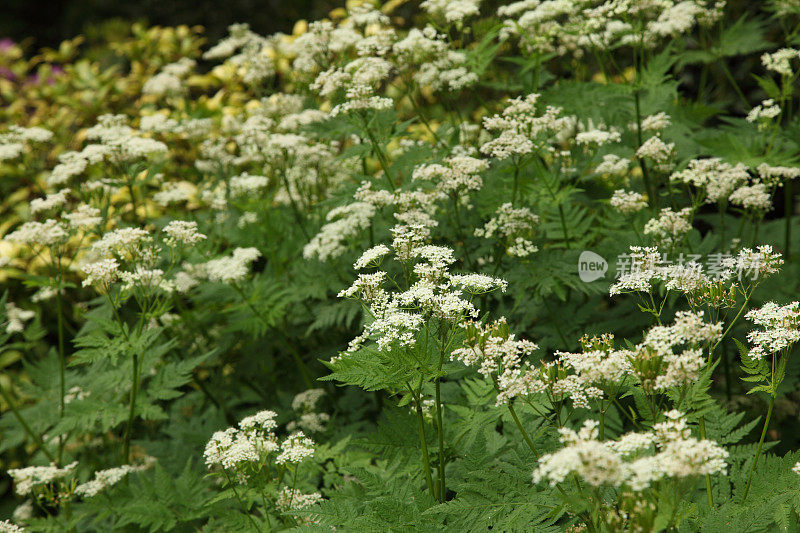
(780, 328)
(636, 460)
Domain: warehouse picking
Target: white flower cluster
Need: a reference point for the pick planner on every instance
(451, 11)
(233, 268)
(304, 405)
(780, 328)
(454, 175)
(647, 266)
(118, 142)
(715, 178)
(435, 292)
(574, 26)
(246, 445)
(764, 113)
(613, 164)
(597, 136)
(28, 478)
(171, 79)
(16, 318)
(515, 226)
(627, 202)
(521, 130)
(781, 61)
(673, 355)
(182, 232)
(670, 226)
(497, 353)
(635, 460)
(292, 499)
(774, 176)
(14, 141)
(110, 477)
(247, 54)
(657, 151)
(428, 56)
(48, 233)
(6, 526)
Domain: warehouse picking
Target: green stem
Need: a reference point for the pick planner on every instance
(516, 182)
(525, 435)
(296, 210)
(126, 448)
(788, 209)
(460, 231)
(760, 444)
(36, 438)
(735, 85)
(602, 421)
(379, 152)
(62, 368)
(423, 441)
(440, 433)
(241, 502)
(708, 477)
(645, 176)
(564, 226)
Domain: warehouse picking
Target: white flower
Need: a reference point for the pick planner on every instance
(51, 201)
(656, 122)
(26, 479)
(478, 283)
(670, 225)
(6, 526)
(716, 177)
(613, 164)
(656, 150)
(182, 232)
(780, 61)
(636, 460)
(764, 113)
(627, 202)
(307, 400)
(451, 11)
(245, 184)
(16, 318)
(753, 197)
(101, 273)
(47, 233)
(295, 448)
(233, 268)
(597, 137)
(371, 257)
(85, 216)
(108, 478)
(781, 328)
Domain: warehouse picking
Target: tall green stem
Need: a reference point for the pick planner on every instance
(62, 368)
(760, 445)
(788, 209)
(241, 502)
(525, 435)
(440, 433)
(423, 442)
(36, 438)
(651, 194)
(126, 448)
(708, 477)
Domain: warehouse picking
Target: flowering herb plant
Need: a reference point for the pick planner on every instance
(334, 279)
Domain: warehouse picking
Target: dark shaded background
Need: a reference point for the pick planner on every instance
(49, 22)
